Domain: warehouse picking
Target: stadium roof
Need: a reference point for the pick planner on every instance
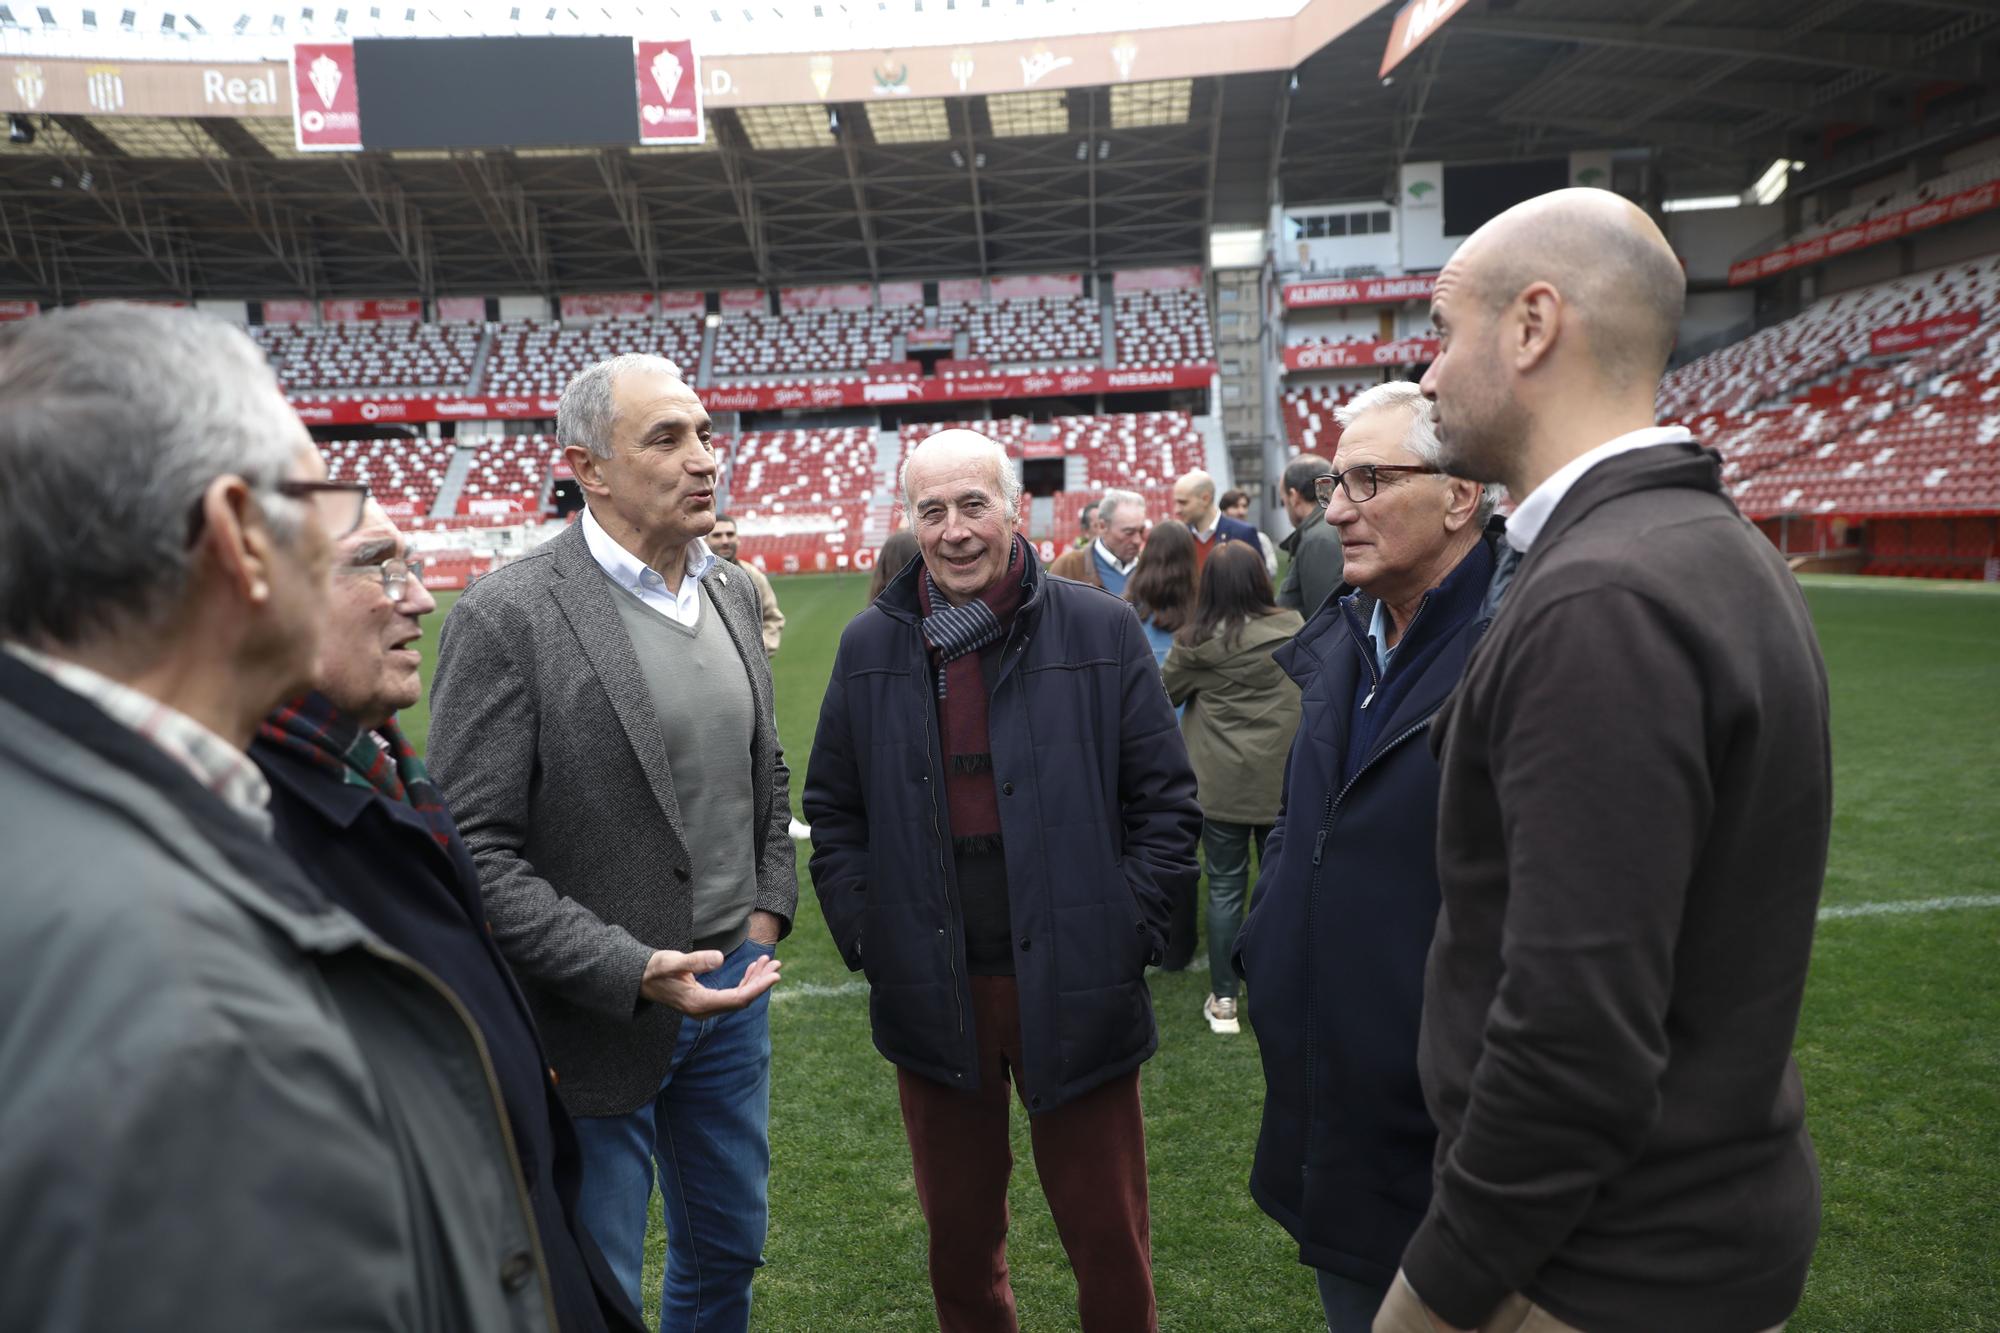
(1706, 92)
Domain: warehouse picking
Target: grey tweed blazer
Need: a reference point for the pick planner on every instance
(547, 746)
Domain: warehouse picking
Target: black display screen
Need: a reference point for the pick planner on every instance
(1472, 195)
(496, 92)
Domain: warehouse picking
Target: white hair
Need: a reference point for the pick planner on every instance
(114, 421)
(1422, 439)
(586, 412)
(969, 441)
(1115, 501)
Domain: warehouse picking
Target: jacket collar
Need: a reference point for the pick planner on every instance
(1680, 464)
(83, 748)
(1291, 542)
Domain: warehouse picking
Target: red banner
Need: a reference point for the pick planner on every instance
(683, 303)
(13, 310)
(961, 291)
(1036, 284)
(371, 312)
(1365, 291)
(1183, 278)
(669, 76)
(841, 296)
(326, 113)
(772, 397)
(1340, 356)
(737, 300)
(601, 305)
(1918, 217)
(901, 294)
(1415, 21)
(461, 309)
(288, 312)
(929, 340)
(1924, 333)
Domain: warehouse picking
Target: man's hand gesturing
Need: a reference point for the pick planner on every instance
(670, 979)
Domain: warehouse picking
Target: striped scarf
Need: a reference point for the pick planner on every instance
(954, 635)
(312, 729)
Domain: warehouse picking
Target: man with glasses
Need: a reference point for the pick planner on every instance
(1333, 950)
(223, 1103)
(356, 808)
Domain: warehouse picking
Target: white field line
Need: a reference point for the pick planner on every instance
(810, 990)
(1909, 907)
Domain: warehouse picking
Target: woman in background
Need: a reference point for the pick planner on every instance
(898, 551)
(1242, 712)
(1162, 586)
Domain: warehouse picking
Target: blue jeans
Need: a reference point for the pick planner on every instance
(1349, 1303)
(707, 1135)
(1228, 849)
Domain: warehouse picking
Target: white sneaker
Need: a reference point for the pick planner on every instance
(1221, 1016)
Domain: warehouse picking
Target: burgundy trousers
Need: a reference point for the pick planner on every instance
(1089, 1153)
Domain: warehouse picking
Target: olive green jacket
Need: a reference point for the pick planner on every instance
(1242, 711)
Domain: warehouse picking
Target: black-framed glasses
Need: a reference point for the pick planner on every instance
(340, 503)
(396, 576)
(1363, 479)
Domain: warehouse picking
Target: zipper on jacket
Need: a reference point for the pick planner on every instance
(1368, 656)
(933, 745)
(521, 1192)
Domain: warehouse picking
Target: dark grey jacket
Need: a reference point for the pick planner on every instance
(546, 743)
(223, 1102)
(1317, 565)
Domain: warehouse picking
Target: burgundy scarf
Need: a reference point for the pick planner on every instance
(954, 635)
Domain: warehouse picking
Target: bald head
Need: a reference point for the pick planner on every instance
(1194, 500)
(1609, 262)
(955, 448)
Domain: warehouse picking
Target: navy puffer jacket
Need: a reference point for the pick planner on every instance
(1097, 814)
(1334, 947)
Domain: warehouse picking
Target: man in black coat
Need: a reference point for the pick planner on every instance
(352, 804)
(1334, 946)
(1002, 810)
(1634, 803)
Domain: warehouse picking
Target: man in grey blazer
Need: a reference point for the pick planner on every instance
(601, 725)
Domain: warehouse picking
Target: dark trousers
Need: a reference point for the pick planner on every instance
(1090, 1155)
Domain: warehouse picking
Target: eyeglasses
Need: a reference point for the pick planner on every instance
(396, 576)
(1362, 480)
(340, 503)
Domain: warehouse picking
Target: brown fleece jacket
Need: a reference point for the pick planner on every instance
(1634, 805)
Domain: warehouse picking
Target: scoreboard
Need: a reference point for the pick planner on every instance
(495, 92)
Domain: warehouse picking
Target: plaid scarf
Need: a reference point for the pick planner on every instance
(312, 729)
(954, 635)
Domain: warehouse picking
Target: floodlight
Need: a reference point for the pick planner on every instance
(1696, 203)
(1770, 186)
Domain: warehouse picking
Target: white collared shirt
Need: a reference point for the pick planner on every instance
(636, 577)
(1208, 533)
(1104, 554)
(213, 761)
(1525, 523)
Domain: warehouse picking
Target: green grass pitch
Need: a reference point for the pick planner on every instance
(1900, 1041)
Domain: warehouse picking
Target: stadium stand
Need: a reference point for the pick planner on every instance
(540, 356)
(804, 341)
(1820, 416)
(511, 471)
(309, 358)
(1940, 187)
(1163, 328)
(1308, 415)
(402, 475)
(1044, 332)
(775, 470)
(1133, 449)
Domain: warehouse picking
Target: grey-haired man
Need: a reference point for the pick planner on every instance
(223, 1104)
(601, 726)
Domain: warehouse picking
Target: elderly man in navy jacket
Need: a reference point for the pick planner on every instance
(1002, 810)
(356, 809)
